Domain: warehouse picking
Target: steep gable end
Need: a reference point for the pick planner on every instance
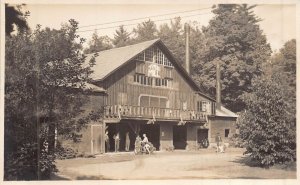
(109, 61)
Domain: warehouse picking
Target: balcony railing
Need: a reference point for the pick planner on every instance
(128, 111)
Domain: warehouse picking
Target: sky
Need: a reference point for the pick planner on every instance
(278, 21)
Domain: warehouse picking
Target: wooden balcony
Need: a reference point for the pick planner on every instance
(138, 112)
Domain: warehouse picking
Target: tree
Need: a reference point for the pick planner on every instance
(145, 31)
(98, 43)
(43, 69)
(15, 16)
(173, 37)
(268, 126)
(234, 38)
(121, 37)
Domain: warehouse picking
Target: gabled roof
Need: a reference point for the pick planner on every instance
(110, 60)
(225, 113)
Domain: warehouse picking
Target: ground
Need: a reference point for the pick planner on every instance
(202, 164)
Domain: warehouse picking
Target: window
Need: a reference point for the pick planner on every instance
(141, 56)
(149, 53)
(198, 106)
(227, 132)
(157, 82)
(168, 72)
(201, 106)
(167, 62)
(146, 80)
(154, 54)
(160, 57)
(213, 108)
(140, 67)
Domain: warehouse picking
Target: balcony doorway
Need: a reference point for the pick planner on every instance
(179, 137)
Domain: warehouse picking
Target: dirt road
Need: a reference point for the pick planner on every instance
(205, 164)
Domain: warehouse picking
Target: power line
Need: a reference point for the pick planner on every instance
(139, 23)
(143, 17)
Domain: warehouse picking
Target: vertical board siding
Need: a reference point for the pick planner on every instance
(122, 81)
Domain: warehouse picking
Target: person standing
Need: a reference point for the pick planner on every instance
(117, 142)
(127, 142)
(106, 137)
(218, 140)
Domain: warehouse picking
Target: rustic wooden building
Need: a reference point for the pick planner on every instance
(148, 91)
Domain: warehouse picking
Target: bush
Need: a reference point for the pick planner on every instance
(64, 152)
(268, 126)
(22, 164)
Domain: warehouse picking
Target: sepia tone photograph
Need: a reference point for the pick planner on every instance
(148, 91)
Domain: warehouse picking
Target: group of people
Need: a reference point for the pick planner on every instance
(117, 139)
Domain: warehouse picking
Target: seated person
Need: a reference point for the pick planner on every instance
(145, 144)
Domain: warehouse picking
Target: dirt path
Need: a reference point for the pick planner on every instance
(175, 165)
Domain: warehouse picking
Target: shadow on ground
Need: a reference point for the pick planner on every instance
(57, 177)
(247, 161)
(91, 178)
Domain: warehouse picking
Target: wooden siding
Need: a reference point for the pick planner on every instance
(122, 89)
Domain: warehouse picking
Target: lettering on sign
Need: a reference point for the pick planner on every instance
(153, 70)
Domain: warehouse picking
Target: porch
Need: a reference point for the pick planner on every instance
(131, 111)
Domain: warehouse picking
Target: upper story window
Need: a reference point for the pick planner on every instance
(213, 108)
(201, 106)
(150, 81)
(154, 54)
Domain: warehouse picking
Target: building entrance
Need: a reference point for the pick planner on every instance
(179, 137)
(202, 138)
(153, 132)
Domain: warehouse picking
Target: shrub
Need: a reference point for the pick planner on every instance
(64, 152)
(268, 126)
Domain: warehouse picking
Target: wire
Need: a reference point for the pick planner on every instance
(143, 18)
(139, 23)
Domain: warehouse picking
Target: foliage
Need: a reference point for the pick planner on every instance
(98, 43)
(145, 31)
(45, 72)
(173, 38)
(64, 152)
(15, 16)
(121, 37)
(234, 38)
(268, 126)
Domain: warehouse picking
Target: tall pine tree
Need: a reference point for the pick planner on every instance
(233, 36)
(145, 31)
(121, 37)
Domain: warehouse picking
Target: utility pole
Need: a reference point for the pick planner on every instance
(187, 47)
(218, 85)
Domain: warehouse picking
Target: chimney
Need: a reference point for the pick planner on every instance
(187, 47)
(218, 85)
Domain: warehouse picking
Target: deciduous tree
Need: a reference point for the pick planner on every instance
(15, 16)
(98, 43)
(45, 72)
(268, 126)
